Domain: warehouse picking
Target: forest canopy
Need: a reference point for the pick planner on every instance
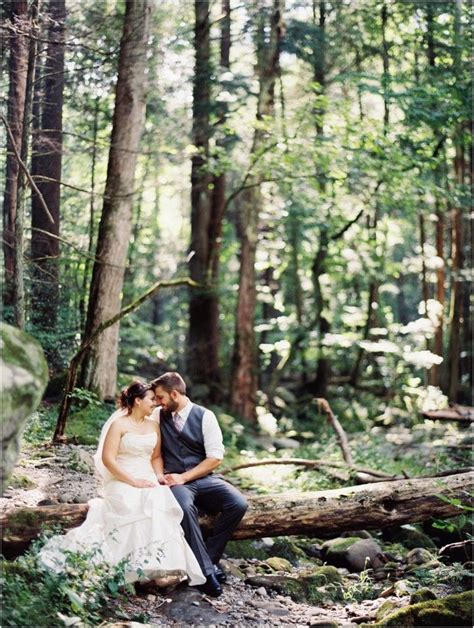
(306, 166)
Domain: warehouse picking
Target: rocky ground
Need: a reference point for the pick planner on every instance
(289, 582)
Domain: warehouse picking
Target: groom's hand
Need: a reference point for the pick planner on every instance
(174, 479)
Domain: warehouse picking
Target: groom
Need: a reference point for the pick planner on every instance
(191, 446)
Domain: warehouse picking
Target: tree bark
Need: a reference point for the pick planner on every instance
(243, 398)
(99, 371)
(46, 164)
(316, 513)
(201, 355)
(18, 69)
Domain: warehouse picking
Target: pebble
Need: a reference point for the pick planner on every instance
(261, 591)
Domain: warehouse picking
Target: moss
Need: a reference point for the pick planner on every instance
(245, 550)
(453, 610)
(21, 519)
(323, 575)
(21, 481)
(285, 547)
(422, 595)
(336, 546)
(385, 609)
(278, 564)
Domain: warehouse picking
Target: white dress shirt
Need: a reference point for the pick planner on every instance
(211, 431)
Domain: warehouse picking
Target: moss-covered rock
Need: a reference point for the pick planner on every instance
(387, 608)
(322, 576)
(287, 547)
(24, 374)
(410, 537)
(353, 553)
(422, 595)
(246, 549)
(419, 556)
(453, 610)
(279, 564)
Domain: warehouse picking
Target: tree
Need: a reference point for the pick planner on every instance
(46, 169)
(99, 371)
(244, 377)
(18, 68)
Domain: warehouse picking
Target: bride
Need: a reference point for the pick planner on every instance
(138, 519)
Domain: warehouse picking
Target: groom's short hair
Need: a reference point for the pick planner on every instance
(170, 381)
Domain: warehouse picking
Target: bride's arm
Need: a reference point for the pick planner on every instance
(157, 459)
(109, 458)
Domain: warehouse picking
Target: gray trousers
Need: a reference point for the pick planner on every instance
(211, 494)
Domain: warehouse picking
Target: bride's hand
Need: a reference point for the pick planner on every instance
(143, 484)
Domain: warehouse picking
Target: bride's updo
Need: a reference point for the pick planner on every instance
(136, 390)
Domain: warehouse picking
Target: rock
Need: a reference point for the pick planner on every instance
(354, 553)
(24, 373)
(279, 564)
(322, 576)
(422, 595)
(324, 623)
(387, 608)
(453, 610)
(285, 585)
(82, 498)
(457, 552)
(232, 569)
(409, 536)
(361, 534)
(286, 443)
(403, 587)
(83, 459)
(418, 556)
(261, 591)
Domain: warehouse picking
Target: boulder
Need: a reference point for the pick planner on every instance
(279, 564)
(23, 376)
(453, 610)
(422, 595)
(354, 553)
(418, 556)
(409, 536)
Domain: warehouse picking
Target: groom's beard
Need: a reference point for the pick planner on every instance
(171, 406)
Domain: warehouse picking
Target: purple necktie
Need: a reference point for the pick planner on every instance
(178, 422)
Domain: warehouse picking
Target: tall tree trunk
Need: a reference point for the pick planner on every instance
(457, 253)
(201, 354)
(99, 369)
(18, 69)
(386, 68)
(244, 377)
(435, 371)
(46, 166)
(18, 268)
(91, 231)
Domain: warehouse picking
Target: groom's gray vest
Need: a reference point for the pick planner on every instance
(182, 450)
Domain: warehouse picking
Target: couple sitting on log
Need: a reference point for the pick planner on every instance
(157, 464)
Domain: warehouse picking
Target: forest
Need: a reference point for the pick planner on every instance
(273, 198)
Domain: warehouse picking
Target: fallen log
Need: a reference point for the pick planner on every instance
(316, 513)
(456, 413)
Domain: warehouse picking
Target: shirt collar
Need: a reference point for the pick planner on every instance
(184, 413)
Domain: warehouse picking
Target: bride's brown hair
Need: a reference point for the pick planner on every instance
(136, 390)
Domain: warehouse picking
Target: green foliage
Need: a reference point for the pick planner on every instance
(85, 424)
(34, 596)
(361, 589)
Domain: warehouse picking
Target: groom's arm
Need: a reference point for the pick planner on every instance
(214, 448)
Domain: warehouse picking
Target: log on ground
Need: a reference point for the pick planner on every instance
(317, 513)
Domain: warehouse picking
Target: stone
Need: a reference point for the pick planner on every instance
(261, 591)
(418, 556)
(354, 553)
(279, 564)
(23, 376)
(322, 576)
(422, 595)
(387, 608)
(409, 536)
(453, 610)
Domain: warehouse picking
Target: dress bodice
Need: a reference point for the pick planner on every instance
(134, 454)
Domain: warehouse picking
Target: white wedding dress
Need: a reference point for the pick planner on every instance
(141, 525)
